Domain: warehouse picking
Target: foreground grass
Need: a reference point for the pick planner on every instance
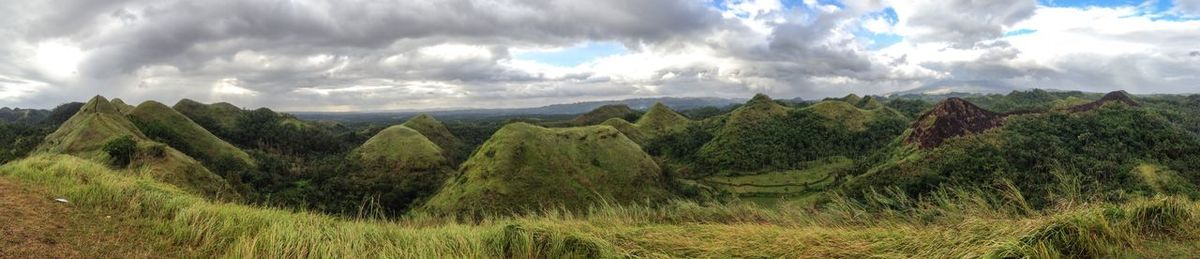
(951, 224)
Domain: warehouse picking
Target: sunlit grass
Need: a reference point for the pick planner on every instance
(949, 223)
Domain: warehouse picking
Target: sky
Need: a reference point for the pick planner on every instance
(367, 55)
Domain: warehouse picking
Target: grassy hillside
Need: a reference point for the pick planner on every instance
(765, 135)
(772, 187)
(658, 121)
(630, 130)
(401, 148)
(747, 128)
(854, 118)
(604, 113)
(950, 225)
(452, 147)
(164, 124)
(99, 122)
(523, 167)
(121, 105)
(1104, 146)
(214, 117)
(397, 169)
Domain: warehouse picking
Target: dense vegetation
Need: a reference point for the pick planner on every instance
(20, 133)
(1102, 146)
(763, 179)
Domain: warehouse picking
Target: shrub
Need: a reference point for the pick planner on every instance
(121, 150)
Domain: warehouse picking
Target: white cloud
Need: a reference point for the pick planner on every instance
(356, 55)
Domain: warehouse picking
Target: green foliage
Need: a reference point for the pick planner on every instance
(452, 147)
(911, 108)
(164, 124)
(784, 142)
(526, 168)
(600, 114)
(18, 139)
(659, 120)
(401, 148)
(959, 223)
(87, 132)
(1102, 146)
(682, 145)
(705, 112)
(121, 150)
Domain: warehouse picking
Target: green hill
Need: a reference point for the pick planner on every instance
(217, 116)
(164, 124)
(763, 134)
(629, 129)
(850, 98)
(523, 167)
(604, 113)
(121, 105)
(398, 169)
(869, 103)
(1036, 151)
(656, 122)
(747, 131)
(401, 148)
(452, 147)
(659, 120)
(851, 117)
(99, 122)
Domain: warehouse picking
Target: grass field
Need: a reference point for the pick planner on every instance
(770, 187)
(952, 224)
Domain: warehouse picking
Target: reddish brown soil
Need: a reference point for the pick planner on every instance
(956, 117)
(33, 225)
(951, 118)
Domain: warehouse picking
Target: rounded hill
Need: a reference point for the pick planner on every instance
(437, 132)
(98, 122)
(401, 148)
(604, 113)
(163, 123)
(523, 167)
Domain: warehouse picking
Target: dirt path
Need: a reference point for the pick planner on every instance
(33, 225)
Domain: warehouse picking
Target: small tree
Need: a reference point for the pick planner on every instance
(121, 150)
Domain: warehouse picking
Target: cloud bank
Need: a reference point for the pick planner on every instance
(379, 55)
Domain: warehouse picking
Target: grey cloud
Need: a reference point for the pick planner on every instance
(965, 22)
(171, 32)
(1190, 7)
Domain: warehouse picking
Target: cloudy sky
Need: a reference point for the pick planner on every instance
(345, 55)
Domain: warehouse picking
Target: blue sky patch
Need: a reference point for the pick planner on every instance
(882, 40)
(573, 56)
(1019, 32)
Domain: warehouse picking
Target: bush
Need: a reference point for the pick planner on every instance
(121, 150)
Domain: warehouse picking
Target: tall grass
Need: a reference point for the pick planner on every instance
(949, 223)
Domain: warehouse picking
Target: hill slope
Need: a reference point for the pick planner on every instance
(162, 123)
(451, 146)
(99, 122)
(525, 167)
(747, 129)
(659, 120)
(401, 148)
(214, 117)
(958, 143)
(604, 113)
(854, 118)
